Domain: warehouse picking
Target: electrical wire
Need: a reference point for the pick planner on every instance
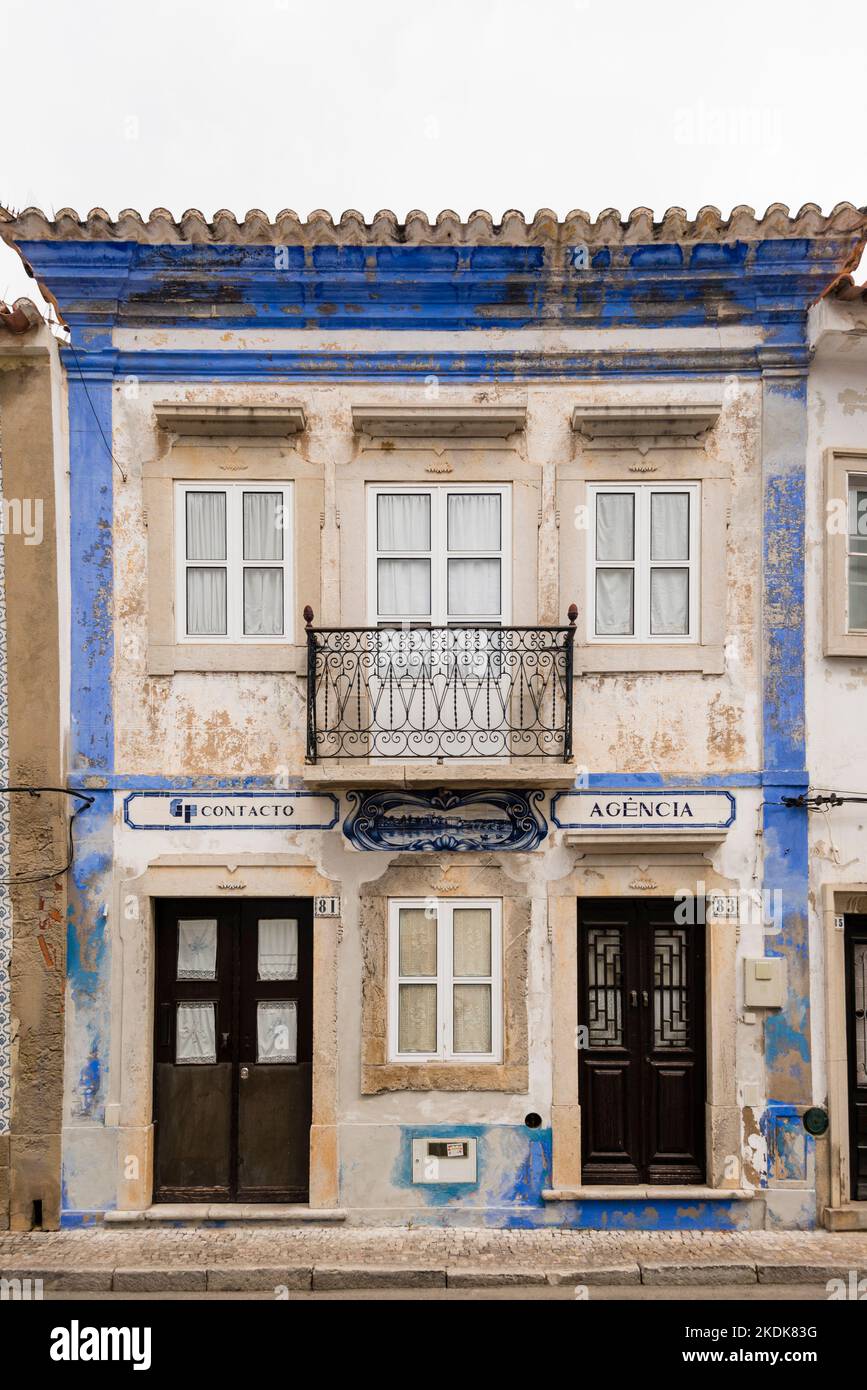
(118, 465)
(51, 873)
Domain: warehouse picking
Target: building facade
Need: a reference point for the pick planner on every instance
(437, 674)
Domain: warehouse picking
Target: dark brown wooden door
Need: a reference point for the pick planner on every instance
(856, 1014)
(233, 1050)
(641, 1054)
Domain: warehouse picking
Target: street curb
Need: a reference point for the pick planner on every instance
(376, 1277)
(493, 1278)
(608, 1276)
(160, 1280)
(257, 1278)
(336, 1277)
(92, 1280)
(723, 1273)
(808, 1273)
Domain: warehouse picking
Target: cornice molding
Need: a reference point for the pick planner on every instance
(439, 421)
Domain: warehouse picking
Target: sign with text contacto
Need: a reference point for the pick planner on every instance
(174, 810)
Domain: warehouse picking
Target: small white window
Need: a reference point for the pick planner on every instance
(643, 562)
(856, 556)
(233, 562)
(440, 554)
(445, 980)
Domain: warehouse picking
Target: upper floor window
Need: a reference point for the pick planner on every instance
(644, 562)
(856, 555)
(233, 562)
(439, 555)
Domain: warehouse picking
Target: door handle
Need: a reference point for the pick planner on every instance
(245, 1072)
(633, 998)
(645, 998)
(225, 1037)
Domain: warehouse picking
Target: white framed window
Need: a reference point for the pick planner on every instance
(234, 561)
(644, 562)
(856, 554)
(439, 554)
(445, 974)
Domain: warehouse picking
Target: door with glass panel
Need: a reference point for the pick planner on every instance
(439, 596)
(233, 1050)
(641, 1045)
(856, 1012)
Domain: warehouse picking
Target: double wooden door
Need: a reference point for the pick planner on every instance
(641, 1043)
(856, 1019)
(233, 1050)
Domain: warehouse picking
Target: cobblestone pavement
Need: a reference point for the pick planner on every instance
(360, 1246)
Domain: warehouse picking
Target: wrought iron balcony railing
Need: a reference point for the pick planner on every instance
(439, 692)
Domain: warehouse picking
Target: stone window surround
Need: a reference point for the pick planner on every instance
(422, 462)
(210, 461)
(722, 1111)
(129, 1107)
(422, 876)
(838, 463)
(668, 466)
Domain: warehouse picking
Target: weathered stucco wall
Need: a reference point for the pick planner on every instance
(30, 439)
(248, 724)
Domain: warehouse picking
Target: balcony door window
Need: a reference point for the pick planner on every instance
(439, 555)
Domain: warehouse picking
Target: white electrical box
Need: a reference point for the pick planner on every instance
(444, 1160)
(764, 982)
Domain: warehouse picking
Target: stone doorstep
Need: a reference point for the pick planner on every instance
(852, 1216)
(252, 1278)
(225, 1212)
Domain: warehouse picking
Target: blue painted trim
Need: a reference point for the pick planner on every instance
(471, 365)
(411, 287)
(605, 781)
(785, 833)
(645, 825)
(91, 560)
(212, 826)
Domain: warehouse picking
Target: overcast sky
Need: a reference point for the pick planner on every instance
(464, 104)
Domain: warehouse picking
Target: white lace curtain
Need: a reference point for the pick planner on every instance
(197, 949)
(278, 948)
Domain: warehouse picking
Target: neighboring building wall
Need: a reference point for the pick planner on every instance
(31, 415)
(836, 703)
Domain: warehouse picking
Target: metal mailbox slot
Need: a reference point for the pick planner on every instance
(444, 1160)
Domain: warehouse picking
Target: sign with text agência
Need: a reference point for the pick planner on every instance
(702, 809)
(174, 810)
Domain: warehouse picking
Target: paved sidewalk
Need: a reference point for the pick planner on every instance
(195, 1259)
